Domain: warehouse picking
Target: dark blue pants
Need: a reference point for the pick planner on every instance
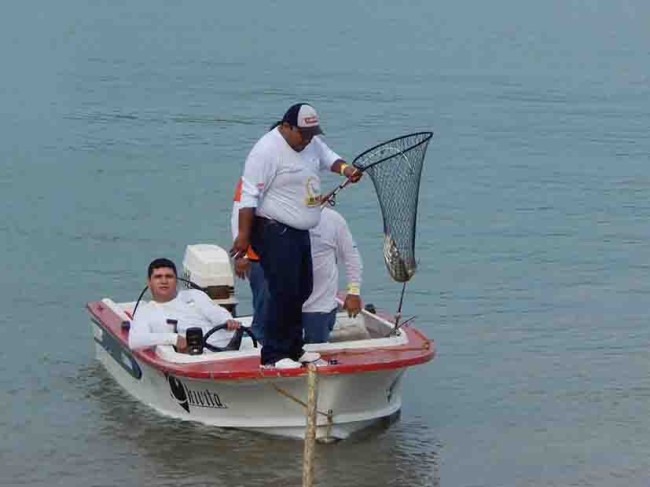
(318, 326)
(260, 294)
(285, 255)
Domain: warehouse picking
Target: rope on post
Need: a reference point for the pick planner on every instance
(310, 431)
(327, 414)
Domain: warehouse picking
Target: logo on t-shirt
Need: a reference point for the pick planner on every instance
(312, 191)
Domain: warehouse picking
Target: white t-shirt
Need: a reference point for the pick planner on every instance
(283, 184)
(331, 243)
(189, 308)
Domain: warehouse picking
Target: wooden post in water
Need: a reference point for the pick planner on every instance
(310, 431)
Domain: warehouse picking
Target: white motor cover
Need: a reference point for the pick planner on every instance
(207, 265)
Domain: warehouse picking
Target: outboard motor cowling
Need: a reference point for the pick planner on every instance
(208, 266)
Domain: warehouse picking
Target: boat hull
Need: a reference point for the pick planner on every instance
(359, 379)
(347, 403)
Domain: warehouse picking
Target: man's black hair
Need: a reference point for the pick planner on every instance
(161, 262)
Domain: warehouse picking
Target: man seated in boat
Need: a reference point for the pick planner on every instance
(164, 319)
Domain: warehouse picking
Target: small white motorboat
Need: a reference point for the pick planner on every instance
(359, 373)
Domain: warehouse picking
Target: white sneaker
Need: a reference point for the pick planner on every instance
(287, 363)
(308, 357)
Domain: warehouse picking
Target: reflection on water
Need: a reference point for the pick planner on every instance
(188, 453)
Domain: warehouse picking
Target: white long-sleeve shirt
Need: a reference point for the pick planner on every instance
(283, 184)
(189, 308)
(331, 243)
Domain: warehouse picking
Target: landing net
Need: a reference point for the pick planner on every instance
(395, 168)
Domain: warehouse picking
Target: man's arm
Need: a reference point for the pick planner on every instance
(332, 161)
(242, 264)
(349, 254)
(243, 239)
(344, 169)
(144, 333)
(215, 314)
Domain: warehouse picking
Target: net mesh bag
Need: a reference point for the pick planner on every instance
(395, 168)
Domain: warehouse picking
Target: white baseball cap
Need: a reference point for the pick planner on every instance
(303, 116)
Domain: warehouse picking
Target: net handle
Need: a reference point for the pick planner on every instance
(329, 198)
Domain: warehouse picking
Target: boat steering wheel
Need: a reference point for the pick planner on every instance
(223, 326)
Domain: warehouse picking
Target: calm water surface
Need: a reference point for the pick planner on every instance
(125, 124)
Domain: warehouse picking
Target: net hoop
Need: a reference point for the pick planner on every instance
(424, 138)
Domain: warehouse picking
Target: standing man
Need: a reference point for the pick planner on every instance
(331, 244)
(280, 202)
